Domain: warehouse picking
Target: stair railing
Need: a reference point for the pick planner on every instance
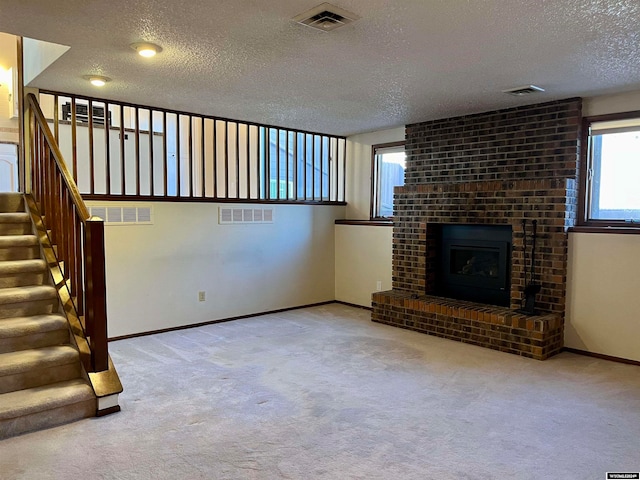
(78, 236)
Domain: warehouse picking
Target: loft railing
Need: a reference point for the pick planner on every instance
(119, 151)
(79, 237)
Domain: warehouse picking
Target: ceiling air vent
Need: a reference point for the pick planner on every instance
(326, 17)
(526, 90)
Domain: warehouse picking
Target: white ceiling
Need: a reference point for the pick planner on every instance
(404, 61)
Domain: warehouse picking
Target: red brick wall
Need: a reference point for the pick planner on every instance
(552, 202)
(530, 142)
(491, 168)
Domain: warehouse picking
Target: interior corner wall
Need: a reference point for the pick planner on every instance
(363, 253)
(603, 281)
(363, 258)
(154, 272)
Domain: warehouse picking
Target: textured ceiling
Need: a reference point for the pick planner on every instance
(404, 61)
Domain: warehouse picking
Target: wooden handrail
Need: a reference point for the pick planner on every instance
(78, 236)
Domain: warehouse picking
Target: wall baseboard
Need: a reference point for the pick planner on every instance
(212, 322)
(352, 305)
(601, 356)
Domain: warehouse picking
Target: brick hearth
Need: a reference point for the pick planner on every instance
(496, 168)
(499, 328)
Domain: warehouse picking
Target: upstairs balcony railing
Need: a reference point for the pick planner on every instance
(120, 151)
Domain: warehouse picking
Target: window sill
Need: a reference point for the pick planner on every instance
(610, 230)
(370, 223)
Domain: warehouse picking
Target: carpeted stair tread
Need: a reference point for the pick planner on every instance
(36, 331)
(13, 363)
(15, 223)
(10, 241)
(22, 326)
(14, 217)
(11, 202)
(22, 272)
(26, 294)
(19, 246)
(14, 267)
(47, 397)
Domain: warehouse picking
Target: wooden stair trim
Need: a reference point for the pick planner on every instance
(106, 383)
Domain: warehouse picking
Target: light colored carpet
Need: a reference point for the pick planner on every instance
(323, 393)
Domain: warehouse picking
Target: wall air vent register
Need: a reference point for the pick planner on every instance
(82, 113)
(123, 214)
(228, 215)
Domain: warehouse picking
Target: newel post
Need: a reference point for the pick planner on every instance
(96, 297)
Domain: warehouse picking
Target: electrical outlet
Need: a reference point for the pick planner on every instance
(378, 286)
(201, 296)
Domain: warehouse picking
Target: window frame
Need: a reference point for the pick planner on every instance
(375, 169)
(586, 177)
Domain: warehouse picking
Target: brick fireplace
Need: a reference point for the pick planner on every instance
(496, 168)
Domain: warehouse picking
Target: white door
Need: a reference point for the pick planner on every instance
(8, 167)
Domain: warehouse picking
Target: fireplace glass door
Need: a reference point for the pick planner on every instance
(475, 263)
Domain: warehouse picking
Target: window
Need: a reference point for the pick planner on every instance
(303, 165)
(612, 196)
(387, 172)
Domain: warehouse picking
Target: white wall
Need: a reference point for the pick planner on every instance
(154, 272)
(605, 104)
(8, 69)
(115, 167)
(38, 56)
(363, 258)
(603, 297)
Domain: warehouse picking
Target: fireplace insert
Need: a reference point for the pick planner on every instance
(475, 263)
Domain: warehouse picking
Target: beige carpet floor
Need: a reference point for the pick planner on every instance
(323, 393)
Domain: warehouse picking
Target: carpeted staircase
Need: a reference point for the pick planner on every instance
(42, 382)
